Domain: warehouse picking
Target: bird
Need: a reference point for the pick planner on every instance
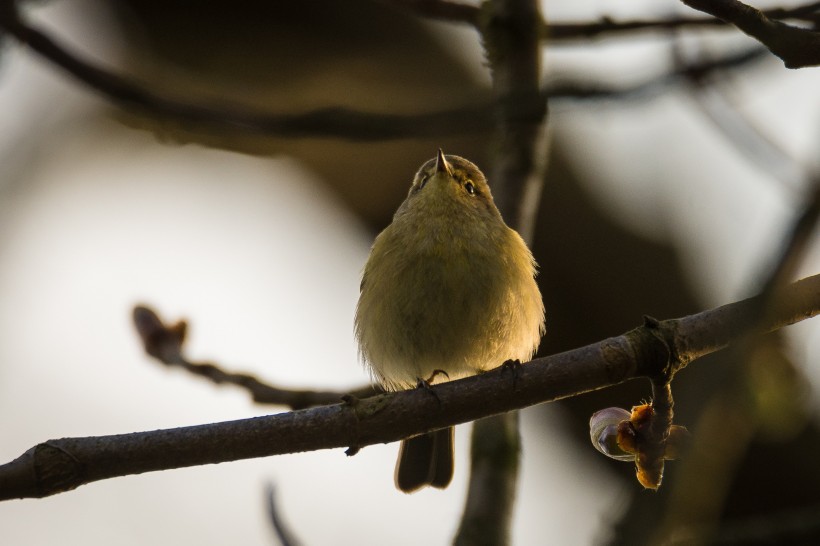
(448, 291)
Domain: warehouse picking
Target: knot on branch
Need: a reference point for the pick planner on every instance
(654, 346)
(56, 469)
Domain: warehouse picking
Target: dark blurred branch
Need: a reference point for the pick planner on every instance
(579, 31)
(334, 122)
(713, 99)
(511, 40)
(284, 534)
(555, 32)
(797, 47)
(795, 245)
(510, 35)
(324, 122)
(577, 90)
(165, 343)
(60, 465)
(442, 10)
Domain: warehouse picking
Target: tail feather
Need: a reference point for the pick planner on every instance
(425, 460)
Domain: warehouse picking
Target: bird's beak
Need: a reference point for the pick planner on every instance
(441, 164)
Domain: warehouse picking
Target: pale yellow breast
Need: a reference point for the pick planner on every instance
(449, 296)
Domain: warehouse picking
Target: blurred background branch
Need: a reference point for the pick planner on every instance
(556, 32)
(797, 47)
(511, 39)
(339, 122)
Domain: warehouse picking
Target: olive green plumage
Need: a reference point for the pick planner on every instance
(448, 286)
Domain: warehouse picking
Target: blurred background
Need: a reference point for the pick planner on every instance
(661, 202)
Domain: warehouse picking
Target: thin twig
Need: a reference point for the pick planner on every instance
(56, 466)
(608, 26)
(284, 534)
(577, 90)
(165, 343)
(796, 244)
(710, 95)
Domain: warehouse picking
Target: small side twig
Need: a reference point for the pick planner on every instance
(283, 533)
(164, 343)
(609, 27)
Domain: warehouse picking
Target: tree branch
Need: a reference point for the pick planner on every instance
(60, 465)
(797, 47)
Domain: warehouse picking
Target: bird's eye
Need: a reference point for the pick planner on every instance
(469, 187)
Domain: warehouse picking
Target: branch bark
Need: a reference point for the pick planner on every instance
(60, 465)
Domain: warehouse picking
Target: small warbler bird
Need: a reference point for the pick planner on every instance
(448, 291)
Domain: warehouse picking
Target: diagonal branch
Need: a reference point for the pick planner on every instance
(60, 465)
(797, 47)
